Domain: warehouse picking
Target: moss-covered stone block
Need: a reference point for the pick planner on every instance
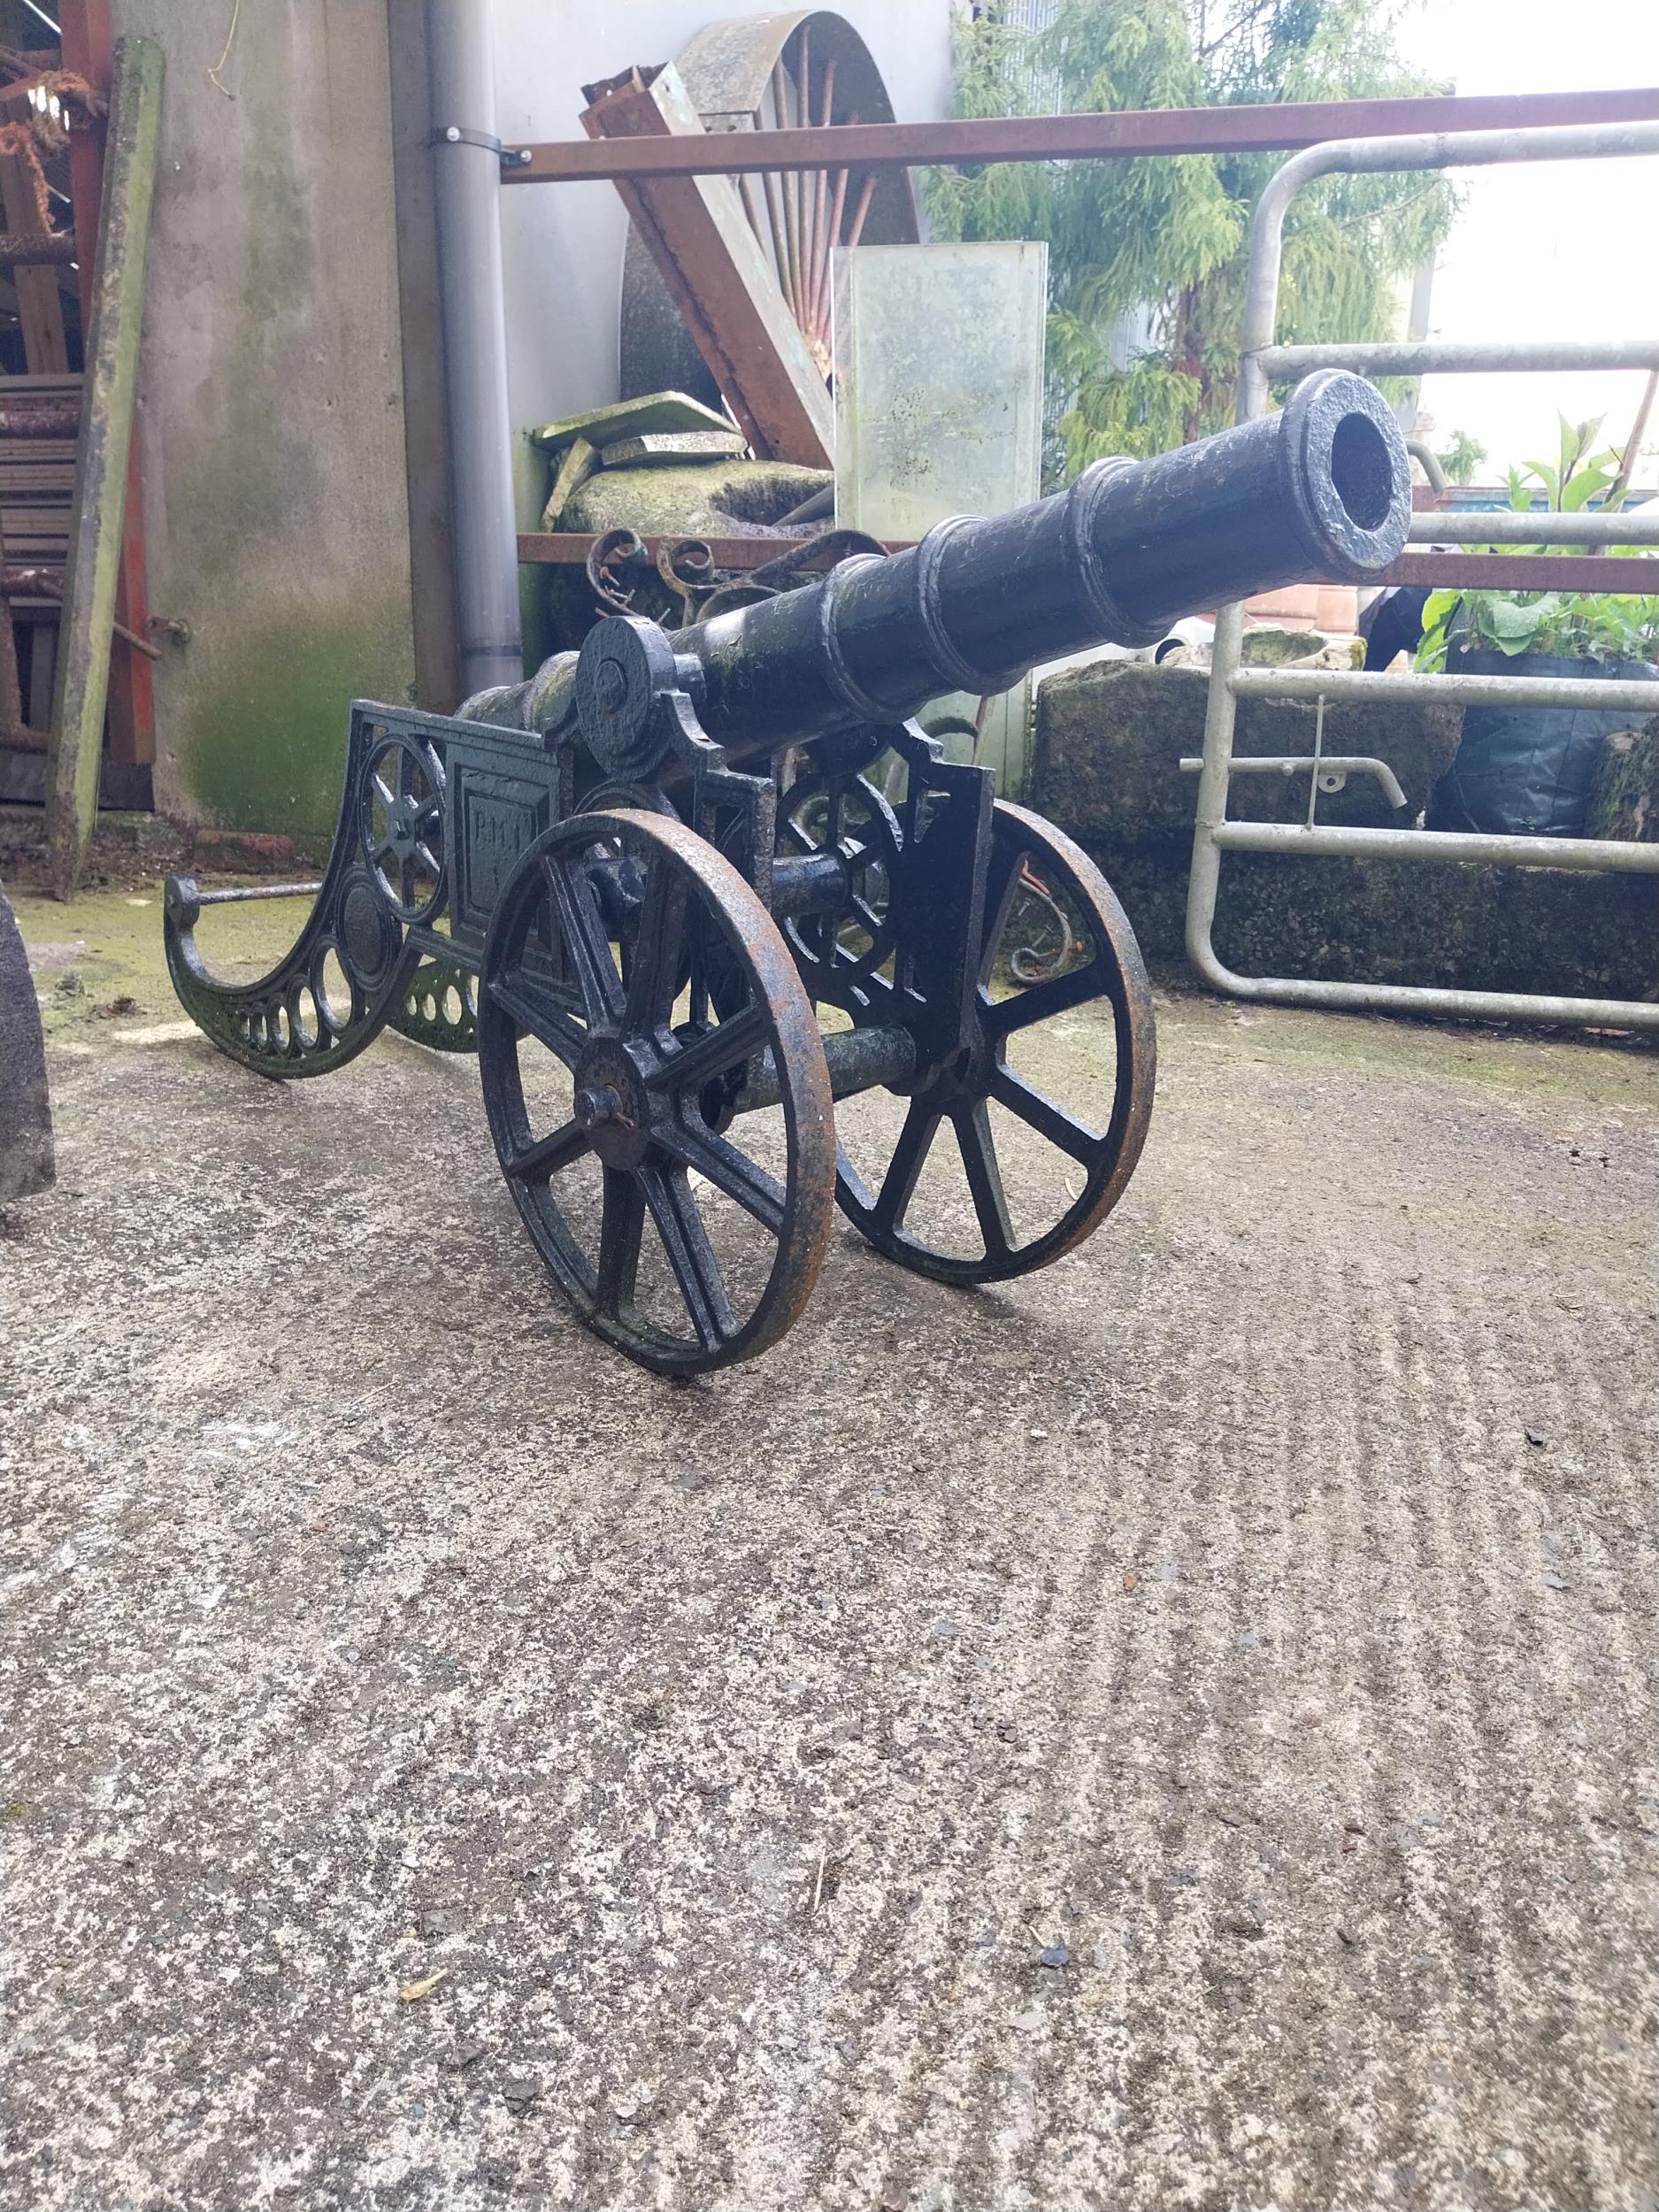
(704, 499)
(1624, 791)
(1109, 740)
(1456, 927)
(1269, 647)
(1111, 735)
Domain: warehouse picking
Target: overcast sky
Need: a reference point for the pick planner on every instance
(1550, 250)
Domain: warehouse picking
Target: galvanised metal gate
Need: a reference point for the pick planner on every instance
(1230, 682)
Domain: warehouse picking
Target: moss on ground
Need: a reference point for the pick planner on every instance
(104, 951)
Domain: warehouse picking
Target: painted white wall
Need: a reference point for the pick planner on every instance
(562, 244)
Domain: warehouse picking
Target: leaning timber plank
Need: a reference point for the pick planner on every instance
(721, 283)
(96, 542)
(88, 49)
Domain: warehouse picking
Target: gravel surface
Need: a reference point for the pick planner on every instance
(1176, 1732)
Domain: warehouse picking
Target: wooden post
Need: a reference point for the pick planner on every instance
(89, 47)
(96, 526)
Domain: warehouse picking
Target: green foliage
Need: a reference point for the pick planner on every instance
(1147, 257)
(1572, 623)
(1461, 458)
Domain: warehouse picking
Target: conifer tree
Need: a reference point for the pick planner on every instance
(1146, 257)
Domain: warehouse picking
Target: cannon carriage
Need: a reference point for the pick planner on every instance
(682, 894)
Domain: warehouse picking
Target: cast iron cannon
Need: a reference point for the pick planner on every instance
(681, 894)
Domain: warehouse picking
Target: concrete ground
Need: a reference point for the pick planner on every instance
(1175, 1732)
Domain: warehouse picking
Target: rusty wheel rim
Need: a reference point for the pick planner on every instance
(1024, 849)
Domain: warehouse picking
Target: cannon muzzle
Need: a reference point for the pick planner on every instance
(1320, 490)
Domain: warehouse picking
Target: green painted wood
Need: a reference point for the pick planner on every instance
(73, 756)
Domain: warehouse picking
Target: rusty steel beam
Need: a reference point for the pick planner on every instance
(1605, 572)
(1492, 572)
(1269, 127)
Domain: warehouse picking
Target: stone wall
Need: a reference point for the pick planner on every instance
(1109, 742)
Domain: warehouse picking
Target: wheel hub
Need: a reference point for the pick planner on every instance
(610, 1107)
(967, 1074)
(402, 824)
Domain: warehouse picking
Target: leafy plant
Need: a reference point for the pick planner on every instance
(1147, 259)
(1461, 458)
(1571, 624)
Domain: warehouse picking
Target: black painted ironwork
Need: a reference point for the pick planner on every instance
(681, 893)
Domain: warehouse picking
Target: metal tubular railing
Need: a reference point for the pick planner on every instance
(1261, 359)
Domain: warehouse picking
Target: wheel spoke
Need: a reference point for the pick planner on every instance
(910, 1155)
(736, 1039)
(1041, 1002)
(653, 962)
(691, 1256)
(984, 1177)
(548, 1023)
(380, 851)
(549, 1154)
(730, 1170)
(425, 854)
(1049, 1121)
(1001, 880)
(586, 948)
(621, 1225)
(384, 788)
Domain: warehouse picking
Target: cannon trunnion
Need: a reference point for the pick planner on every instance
(682, 894)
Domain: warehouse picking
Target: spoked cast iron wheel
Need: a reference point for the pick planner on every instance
(1034, 869)
(642, 1075)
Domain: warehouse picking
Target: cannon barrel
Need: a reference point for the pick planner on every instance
(1319, 490)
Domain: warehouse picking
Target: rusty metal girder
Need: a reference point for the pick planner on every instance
(1490, 571)
(1272, 126)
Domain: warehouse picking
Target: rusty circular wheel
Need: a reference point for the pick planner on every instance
(1044, 895)
(610, 1069)
(787, 69)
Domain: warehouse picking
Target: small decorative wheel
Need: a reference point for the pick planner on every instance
(847, 816)
(1054, 939)
(609, 1073)
(401, 821)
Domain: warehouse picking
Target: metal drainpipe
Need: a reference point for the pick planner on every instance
(466, 192)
